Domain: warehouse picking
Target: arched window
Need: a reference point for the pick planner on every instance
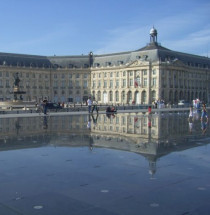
(123, 96)
(170, 96)
(137, 98)
(200, 95)
(153, 95)
(192, 96)
(99, 96)
(180, 95)
(144, 97)
(110, 96)
(129, 97)
(162, 94)
(117, 96)
(204, 96)
(138, 80)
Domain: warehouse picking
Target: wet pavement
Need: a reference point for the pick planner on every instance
(122, 164)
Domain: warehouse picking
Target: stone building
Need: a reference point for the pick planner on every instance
(142, 76)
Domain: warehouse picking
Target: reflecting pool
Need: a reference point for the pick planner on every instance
(123, 164)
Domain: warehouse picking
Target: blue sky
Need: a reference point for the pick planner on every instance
(75, 27)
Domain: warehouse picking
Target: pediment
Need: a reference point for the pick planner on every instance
(177, 62)
(137, 63)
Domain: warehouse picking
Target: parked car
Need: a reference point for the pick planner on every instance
(54, 106)
(183, 103)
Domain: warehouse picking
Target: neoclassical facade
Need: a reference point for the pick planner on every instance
(142, 76)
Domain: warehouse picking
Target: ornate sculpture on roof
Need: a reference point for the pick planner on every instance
(153, 35)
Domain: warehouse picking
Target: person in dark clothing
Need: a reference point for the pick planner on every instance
(45, 102)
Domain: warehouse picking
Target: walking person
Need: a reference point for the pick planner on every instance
(94, 105)
(45, 103)
(204, 113)
(89, 103)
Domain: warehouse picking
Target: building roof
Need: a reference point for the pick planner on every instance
(152, 52)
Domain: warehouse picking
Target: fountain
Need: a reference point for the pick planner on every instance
(17, 101)
(16, 89)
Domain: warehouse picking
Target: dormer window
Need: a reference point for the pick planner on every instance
(108, 63)
(96, 64)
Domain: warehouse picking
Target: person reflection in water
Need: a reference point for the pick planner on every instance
(191, 119)
(89, 123)
(94, 120)
(45, 123)
(204, 127)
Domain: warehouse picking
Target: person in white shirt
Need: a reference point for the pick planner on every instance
(94, 105)
(89, 103)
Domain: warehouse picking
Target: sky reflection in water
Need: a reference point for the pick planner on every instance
(118, 164)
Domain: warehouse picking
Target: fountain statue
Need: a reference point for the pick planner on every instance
(17, 101)
(16, 89)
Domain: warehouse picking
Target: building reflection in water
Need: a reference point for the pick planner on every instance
(152, 136)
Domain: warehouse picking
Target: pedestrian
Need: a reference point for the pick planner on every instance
(89, 102)
(45, 102)
(204, 113)
(94, 105)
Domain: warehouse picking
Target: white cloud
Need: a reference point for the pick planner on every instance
(187, 32)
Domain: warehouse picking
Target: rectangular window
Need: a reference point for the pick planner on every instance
(154, 72)
(131, 73)
(7, 83)
(124, 73)
(94, 84)
(154, 82)
(63, 83)
(124, 82)
(99, 83)
(117, 74)
(85, 83)
(70, 83)
(77, 75)
(117, 83)
(131, 82)
(55, 83)
(46, 84)
(70, 75)
(145, 82)
(105, 84)
(77, 84)
(144, 72)
(111, 83)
